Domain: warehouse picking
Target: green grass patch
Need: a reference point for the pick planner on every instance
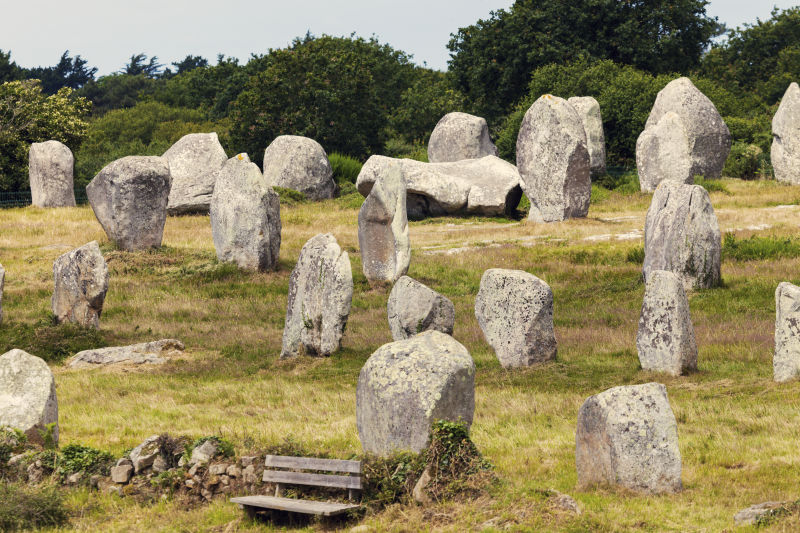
(23, 507)
(711, 185)
(345, 168)
(48, 340)
(290, 197)
(758, 248)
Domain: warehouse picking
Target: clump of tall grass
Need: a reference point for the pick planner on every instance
(759, 248)
(345, 168)
(23, 507)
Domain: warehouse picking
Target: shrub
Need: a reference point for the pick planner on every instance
(12, 441)
(747, 161)
(77, 458)
(345, 168)
(23, 507)
(48, 340)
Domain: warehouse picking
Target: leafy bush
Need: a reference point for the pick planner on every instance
(345, 168)
(52, 342)
(23, 507)
(747, 161)
(77, 458)
(289, 197)
(12, 441)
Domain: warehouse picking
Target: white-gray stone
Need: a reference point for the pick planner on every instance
(50, 168)
(553, 161)
(515, 311)
(459, 136)
(204, 453)
(589, 110)
(414, 308)
(786, 361)
(320, 293)
(662, 153)
(785, 153)
(628, 436)
(407, 385)
(145, 454)
(245, 216)
(80, 286)
(129, 198)
(193, 163)
(300, 164)
(751, 515)
(155, 352)
(27, 395)
(121, 474)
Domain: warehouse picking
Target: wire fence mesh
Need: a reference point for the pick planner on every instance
(23, 198)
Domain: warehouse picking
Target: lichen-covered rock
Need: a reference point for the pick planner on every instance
(144, 455)
(407, 385)
(553, 161)
(383, 230)
(50, 168)
(2, 286)
(662, 153)
(27, 395)
(751, 515)
(628, 436)
(515, 312)
(129, 198)
(414, 308)
(460, 136)
(589, 110)
(665, 339)
(155, 352)
(785, 153)
(320, 293)
(786, 361)
(80, 285)
(245, 216)
(193, 163)
(681, 234)
(300, 164)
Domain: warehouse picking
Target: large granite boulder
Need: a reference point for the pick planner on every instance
(785, 153)
(300, 164)
(383, 230)
(515, 312)
(589, 110)
(407, 385)
(665, 339)
(81, 282)
(662, 153)
(486, 186)
(460, 136)
(709, 137)
(50, 167)
(628, 436)
(414, 308)
(155, 352)
(193, 163)
(553, 161)
(245, 216)
(320, 293)
(27, 395)
(129, 198)
(681, 234)
(2, 285)
(786, 361)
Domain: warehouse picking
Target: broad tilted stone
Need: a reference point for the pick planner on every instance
(193, 163)
(300, 164)
(553, 161)
(383, 230)
(515, 311)
(589, 110)
(662, 153)
(460, 136)
(129, 198)
(2, 285)
(407, 385)
(320, 293)
(50, 168)
(245, 216)
(27, 395)
(155, 352)
(414, 308)
(665, 340)
(785, 153)
(628, 436)
(709, 137)
(144, 455)
(81, 282)
(681, 234)
(786, 361)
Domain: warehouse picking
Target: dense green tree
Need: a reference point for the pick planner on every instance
(138, 65)
(9, 70)
(69, 72)
(117, 91)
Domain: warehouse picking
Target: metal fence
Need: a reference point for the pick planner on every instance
(23, 198)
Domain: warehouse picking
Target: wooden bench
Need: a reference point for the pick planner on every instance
(283, 470)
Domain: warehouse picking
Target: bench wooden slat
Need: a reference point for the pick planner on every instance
(312, 463)
(295, 506)
(319, 480)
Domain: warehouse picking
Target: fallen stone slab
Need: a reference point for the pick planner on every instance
(155, 352)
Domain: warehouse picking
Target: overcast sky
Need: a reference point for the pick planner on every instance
(107, 33)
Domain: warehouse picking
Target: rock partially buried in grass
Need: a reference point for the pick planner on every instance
(754, 513)
(785, 152)
(786, 361)
(414, 308)
(28, 395)
(459, 136)
(662, 153)
(81, 283)
(155, 352)
(628, 436)
(193, 162)
(589, 111)
(50, 168)
(300, 164)
(407, 385)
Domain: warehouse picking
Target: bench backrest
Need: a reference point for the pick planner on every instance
(350, 480)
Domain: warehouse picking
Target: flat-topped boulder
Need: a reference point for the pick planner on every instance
(155, 352)
(589, 110)
(786, 360)
(300, 164)
(459, 136)
(80, 285)
(785, 153)
(413, 308)
(663, 153)
(50, 170)
(27, 395)
(193, 162)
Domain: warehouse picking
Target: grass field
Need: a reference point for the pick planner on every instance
(738, 430)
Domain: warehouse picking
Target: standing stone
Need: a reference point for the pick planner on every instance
(414, 308)
(786, 361)
(785, 153)
(553, 161)
(589, 110)
(662, 153)
(320, 293)
(407, 385)
(245, 216)
(2, 285)
(515, 312)
(383, 229)
(665, 340)
(300, 164)
(27, 395)
(193, 163)
(50, 167)
(129, 198)
(681, 234)
(81, 282)
(628, 436)
(460, 136)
